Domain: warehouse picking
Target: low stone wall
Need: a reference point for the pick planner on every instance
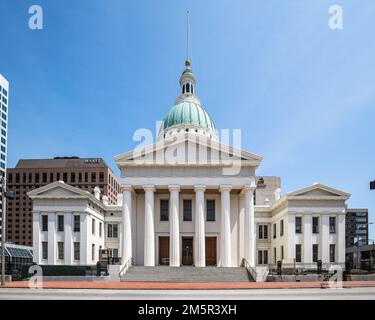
(360, 277)
(294, 278)
(76, 278)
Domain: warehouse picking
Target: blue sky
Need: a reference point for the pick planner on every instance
(303, 94)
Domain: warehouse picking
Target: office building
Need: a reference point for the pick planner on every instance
(356, 227)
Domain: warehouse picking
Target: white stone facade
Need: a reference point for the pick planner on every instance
(190, 200)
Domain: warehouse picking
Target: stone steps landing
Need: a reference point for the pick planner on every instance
(186, 274)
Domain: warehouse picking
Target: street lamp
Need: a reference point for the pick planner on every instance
(5, 195)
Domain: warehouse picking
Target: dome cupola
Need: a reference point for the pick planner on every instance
(187, 115)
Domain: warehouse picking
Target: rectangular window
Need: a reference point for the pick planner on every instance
(274, 230)
(93, 226)
(60, 223)
(332, 224)
(332, 253)
(60, 250)
(187, 210)
(44, 177)
(72, 177)
(65, 177)
(298, 253)
(86, 177)
(315, 226)
(44, 250)
(93, 176)
(76, 251)
(93, 252)
(298, 222)
(274, 255)
(210, 204)
(58, 176)
(260, 257)
(45, 223)
(282, 252)
(37, 177)
(101, 177)
(80, 177)
(281, 228)
(164, 210)
(112, 230)
(263, 231)
(100, 229)
(77, 224)
(265, 256)
(315, 252)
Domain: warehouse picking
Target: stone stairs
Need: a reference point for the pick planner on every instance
(186, 274)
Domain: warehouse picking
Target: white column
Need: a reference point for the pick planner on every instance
(307, 234)
(85, 239)
(126, 245)
(149, 245)
(324, 238)
(340, 254)
(37, 245)
(174, 227)
(249, 225)
(291, 243)
(200, 239)
(68, 239)
(52, 238)
(241, 227)
(226, 256)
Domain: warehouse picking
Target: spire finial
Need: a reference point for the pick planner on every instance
(187, 63)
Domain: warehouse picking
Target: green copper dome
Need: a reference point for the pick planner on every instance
(188, 113)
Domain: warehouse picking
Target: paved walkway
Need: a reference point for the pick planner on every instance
(185, 295)
(185, 285)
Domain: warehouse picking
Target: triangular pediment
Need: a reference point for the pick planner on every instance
(186, 150)
(318, 190)
(59, 190)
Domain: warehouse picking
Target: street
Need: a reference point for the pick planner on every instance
(241, 294)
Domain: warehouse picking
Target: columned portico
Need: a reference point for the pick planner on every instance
(249, 225)
(174, 227)
(149, 244)
(199, 250)
(226, 245)
(126, 224)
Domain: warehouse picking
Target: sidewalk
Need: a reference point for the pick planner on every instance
(184, 285)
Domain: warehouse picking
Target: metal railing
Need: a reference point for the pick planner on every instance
(126, 266)
(251, 270)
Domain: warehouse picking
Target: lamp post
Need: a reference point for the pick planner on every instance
(5, 195)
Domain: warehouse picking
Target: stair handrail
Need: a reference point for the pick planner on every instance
(249, 269)
(126, 266)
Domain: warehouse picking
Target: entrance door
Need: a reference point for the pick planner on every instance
(187, 251)
(164, 251)
(211, 251)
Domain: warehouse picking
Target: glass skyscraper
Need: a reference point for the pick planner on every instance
(4, 96)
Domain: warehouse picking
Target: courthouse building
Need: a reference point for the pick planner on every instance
(189, 200)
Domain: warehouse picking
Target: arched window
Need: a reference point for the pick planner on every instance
(192, 91)
(188, 87)
(183, 89)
